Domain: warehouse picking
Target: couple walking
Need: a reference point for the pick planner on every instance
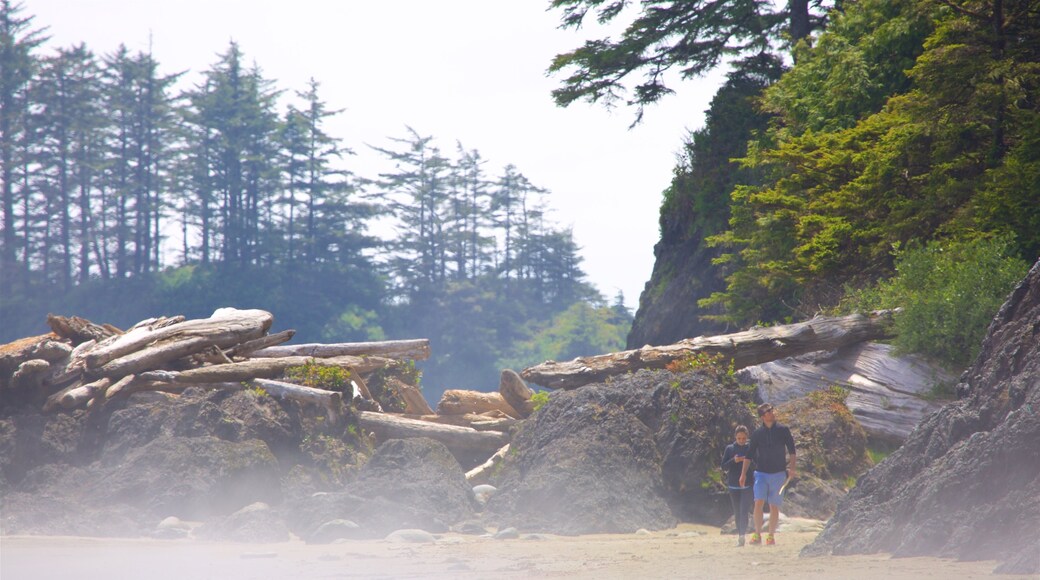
(771, 449)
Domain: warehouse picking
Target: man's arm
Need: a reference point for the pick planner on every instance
(747, 459)
(792, 456)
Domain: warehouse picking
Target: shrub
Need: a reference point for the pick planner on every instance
(948, 292)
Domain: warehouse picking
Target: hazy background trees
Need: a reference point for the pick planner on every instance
(129, 192)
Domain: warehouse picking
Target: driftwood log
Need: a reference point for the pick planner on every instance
(417, 349)
(482, 473)
(264, 368)
(331, 401)
(461, 402)
(491, 421)
(744, 349)
(516, 392)
(78, 329)
(249, 347)
(414, 401)
(454, 438)
(225, 328)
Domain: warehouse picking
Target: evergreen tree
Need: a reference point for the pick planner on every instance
(18, 64)
(691, 36)
(235, 127)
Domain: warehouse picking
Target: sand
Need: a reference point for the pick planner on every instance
(689, 551)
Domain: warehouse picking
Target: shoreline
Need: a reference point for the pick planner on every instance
(689, 551)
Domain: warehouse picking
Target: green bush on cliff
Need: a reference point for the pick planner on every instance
(949, 293)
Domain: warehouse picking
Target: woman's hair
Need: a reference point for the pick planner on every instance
(741, 429)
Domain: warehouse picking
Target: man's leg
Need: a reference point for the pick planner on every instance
(759, 505)
(774, 518)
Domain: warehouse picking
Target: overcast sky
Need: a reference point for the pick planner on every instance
(471, 71)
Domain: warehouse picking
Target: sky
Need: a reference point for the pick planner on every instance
(469, 71)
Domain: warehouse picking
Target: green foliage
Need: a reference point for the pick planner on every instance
(312, 374)
(864, 157)
(583, 329)
(949, 292)
(539, 399)
(258, 392)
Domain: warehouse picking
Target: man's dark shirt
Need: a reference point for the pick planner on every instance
(767, 448)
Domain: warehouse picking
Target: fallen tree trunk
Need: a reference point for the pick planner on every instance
(79, 330)
(460, 402)
(482, 473)
(481, 422)
(516, 393)
(414, 401)
(152, 357)
(264, 368)
(75, 395)
(417, 349)
(454, 438)
(744, 349)
(331, 401)
(250, 347)
(223, 329)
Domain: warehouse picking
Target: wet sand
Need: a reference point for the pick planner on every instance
(689, 551)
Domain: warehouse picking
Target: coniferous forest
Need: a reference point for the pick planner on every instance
(128, 195)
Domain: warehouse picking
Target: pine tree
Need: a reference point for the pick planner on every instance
(18, 40)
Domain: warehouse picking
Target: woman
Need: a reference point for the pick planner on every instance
(740, 495)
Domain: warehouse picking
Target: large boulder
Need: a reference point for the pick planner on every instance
(832, 449)
(120, 468)
(889, 393)
(632, 453)
(966, 482)
(408, 483)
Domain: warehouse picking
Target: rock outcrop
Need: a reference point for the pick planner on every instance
(888, 393)
(408, 483)
(619, 456)
(668, 311)
(966, 482)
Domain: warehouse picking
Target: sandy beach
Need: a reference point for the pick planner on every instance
(689, 551)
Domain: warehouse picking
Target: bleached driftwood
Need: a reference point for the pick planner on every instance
(78, 329)
(331, 401)
(480, 422)
(387, 426)
(414, 401)
(744, 349)
(516, 393)
(251, 346)
(482, 473)
(153, 356)
(416, 349)
(264, 368)
(225, 328)
(75, 395)
(460, 402)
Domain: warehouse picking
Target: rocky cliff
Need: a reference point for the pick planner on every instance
(668, 311)
(967, 481)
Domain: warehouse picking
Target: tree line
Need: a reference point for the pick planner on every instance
(114, 172)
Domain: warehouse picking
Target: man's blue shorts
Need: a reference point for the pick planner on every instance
(767, 487)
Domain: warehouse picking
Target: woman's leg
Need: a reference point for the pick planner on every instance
(736, 497)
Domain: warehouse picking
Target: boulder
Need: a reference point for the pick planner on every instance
(888, 393)
(966, 482)
(631, 453)
(255, 523)
(408, 483)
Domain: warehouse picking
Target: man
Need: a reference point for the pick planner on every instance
(772, 450)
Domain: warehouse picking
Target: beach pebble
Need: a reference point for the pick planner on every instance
(643, 532)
